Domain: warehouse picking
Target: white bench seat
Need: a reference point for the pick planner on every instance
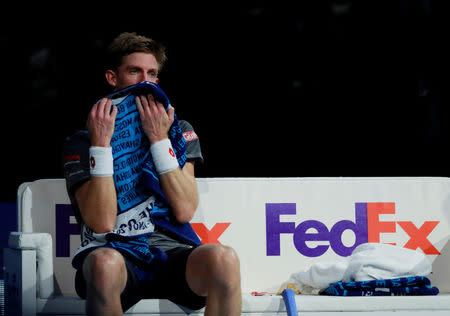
(273, 305)
(261, 219)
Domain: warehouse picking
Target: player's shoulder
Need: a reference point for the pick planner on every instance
(188, 131)
(185, 125)
(79, 135)
(78, 139)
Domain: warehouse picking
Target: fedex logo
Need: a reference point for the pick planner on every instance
(367, 227)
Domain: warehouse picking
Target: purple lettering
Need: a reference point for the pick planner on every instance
(301, 236)
(274, 227)
(359, 227)
(64, 229)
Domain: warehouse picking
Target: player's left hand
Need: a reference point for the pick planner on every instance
(156, 122)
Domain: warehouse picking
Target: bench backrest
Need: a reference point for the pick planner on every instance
(278, 226)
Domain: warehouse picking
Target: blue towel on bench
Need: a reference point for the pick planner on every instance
(416, 285)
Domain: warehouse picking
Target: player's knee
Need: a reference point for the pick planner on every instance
(104, 267)
(225, 266)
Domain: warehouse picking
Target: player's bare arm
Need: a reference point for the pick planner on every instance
(179, 185)
(97, 197)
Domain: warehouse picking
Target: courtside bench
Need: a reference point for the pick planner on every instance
(252, 215)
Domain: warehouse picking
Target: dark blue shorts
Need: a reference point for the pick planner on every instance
(169, 282)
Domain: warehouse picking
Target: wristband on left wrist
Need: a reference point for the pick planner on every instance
(164, 156)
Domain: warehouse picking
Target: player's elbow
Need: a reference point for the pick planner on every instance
(185, 213)
(101, 228)
(100, 225)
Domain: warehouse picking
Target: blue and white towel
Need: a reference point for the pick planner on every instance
(416, 285)
(141, 204)
(135, 176)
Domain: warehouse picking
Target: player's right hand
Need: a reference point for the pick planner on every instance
(100, 123)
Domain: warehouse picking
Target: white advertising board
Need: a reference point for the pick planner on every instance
(279, 226)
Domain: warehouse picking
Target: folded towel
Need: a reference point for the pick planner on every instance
(416, 285)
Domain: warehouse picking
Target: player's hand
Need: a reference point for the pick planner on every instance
(156, 121)
(100, 123)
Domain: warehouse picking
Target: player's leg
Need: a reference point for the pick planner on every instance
(105, 273)
(213, 270)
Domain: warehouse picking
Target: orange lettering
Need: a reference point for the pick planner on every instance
(419, 236)
(375, 227)
(210, 236)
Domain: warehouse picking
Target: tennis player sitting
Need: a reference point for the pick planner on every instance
(134, 212)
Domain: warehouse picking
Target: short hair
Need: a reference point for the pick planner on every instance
(129, 42)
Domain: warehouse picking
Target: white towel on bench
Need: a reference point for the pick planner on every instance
(369, 261)
(373, 261)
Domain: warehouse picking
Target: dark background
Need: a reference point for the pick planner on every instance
(322, 88)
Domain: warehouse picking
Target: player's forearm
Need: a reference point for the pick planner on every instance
(98, 203)
(97, 197)
(180, 188)
(178, 185)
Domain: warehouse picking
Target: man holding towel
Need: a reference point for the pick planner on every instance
(115, 270)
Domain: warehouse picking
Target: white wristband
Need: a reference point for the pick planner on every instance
(101, 161)
(163, 156)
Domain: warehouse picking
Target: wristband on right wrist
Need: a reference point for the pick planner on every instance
(101, 161)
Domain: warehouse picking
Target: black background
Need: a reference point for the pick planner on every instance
(322, 88)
